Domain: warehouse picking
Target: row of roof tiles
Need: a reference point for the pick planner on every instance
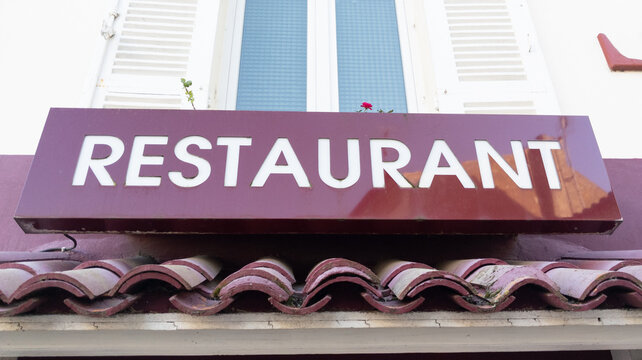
(106, 287)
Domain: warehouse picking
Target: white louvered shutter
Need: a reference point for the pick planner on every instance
(156, 43)
(487, 59)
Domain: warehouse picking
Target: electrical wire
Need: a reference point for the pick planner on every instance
(63, 249)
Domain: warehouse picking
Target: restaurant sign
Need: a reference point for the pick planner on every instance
(160, 171)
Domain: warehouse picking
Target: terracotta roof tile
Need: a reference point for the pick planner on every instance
(118, 266)
(463, 268)
(102, 307)
(334, 267)
(90, 283)
(273, 264)
(198, 286)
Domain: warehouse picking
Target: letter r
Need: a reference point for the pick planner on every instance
(97, 166)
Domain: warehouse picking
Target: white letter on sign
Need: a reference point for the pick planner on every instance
(391, 167)
(521, 177)
(232, 160)
(137, 159)
(550, 169)
(203, 167)
(269, 167)
(440, 148)
(97, 166)
(354, 164)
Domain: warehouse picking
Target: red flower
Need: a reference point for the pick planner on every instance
(366, 106)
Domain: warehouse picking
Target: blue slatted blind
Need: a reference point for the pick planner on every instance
(369, 56)
(273, 71)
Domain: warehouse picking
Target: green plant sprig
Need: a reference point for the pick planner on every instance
(188, 92)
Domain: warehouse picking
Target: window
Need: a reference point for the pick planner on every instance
(368, 55)
(272, 70)
(310, 55)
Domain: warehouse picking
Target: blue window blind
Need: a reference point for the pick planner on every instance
(273, 73)
(369, 56)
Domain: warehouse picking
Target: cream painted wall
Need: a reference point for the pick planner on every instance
(567, 32)
(46, 51)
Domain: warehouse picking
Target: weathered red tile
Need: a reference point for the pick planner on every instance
(335, 266)
(118, 266)
(266, 273)
(463, 268)
(208, 266)
(41, 267)
(406, 280)
(387, 270)
(392, 306)
(544, 266)
(19, 307)
(91, 282)
(343, 279)
(580, 283)
(10, 280)
(274, 264)
(303, 310)
(102, 307)
(186, 277)
(610, 265)
(191, 302)
(254, 283)
(497, 282)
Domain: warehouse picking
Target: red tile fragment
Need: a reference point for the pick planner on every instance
(102, 307)
(615, 60)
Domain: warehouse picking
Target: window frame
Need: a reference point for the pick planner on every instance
(322, 69)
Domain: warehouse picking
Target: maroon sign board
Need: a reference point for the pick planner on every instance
(160, 171)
